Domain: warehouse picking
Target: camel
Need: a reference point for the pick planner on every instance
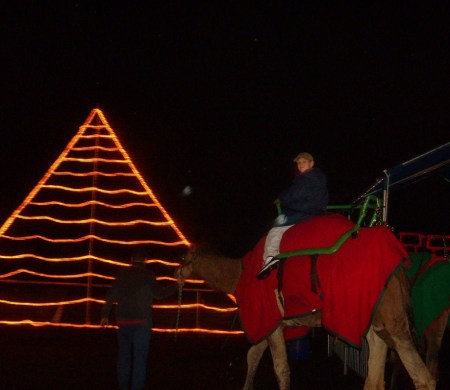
(389, 327)
(433, 340)
(433, 337)
(430, 289)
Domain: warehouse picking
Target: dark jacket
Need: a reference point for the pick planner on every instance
(306, 197)
(133, 290)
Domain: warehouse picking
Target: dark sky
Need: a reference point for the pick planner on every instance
(222, 95)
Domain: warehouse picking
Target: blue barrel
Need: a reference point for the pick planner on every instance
(299, 348)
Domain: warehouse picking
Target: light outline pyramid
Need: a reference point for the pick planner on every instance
(95, 113)
(96, 137)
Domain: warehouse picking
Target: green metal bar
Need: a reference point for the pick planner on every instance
(343, 207)
(279, 211)
(368, 203)
(321, 251)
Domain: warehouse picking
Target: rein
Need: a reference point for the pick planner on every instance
(180, 294)
(183, 266)
(180, 299)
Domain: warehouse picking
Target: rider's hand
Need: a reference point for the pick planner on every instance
(280, 220)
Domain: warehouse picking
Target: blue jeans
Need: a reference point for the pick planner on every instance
(133, 343)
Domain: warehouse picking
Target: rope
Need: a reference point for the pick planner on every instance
(233, 322)
(177, 322)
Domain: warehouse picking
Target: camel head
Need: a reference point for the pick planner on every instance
(203, 262)
(186, 267)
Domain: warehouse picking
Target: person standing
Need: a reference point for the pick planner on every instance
(306, 197)
(134, 289)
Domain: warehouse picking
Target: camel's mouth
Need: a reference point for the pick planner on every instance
(181, 271)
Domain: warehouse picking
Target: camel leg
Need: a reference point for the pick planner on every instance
(279, 356)
(415, 366)
(392, 324)
(377, 361)
(254, 355)
(433, 340)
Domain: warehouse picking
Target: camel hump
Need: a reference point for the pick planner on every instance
(316, 232)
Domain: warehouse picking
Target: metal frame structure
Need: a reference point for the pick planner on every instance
(433, 162)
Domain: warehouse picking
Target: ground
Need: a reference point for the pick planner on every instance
(78, 359)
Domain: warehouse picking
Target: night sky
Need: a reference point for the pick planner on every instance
(221, 96)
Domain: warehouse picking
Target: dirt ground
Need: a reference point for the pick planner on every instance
(78, 359)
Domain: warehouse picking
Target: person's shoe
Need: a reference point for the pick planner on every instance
(268, 268)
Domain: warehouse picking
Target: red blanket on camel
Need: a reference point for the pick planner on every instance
(352, 280)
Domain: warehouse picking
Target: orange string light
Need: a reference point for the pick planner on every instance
(159, 330)
(26, 271)
(62, 259)
(92, 220)
(81, 258)
(90, 189)
(97, 147)
(92, 237)
(92, 202)
(92, 173)
(91, 160)
(83, 300)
